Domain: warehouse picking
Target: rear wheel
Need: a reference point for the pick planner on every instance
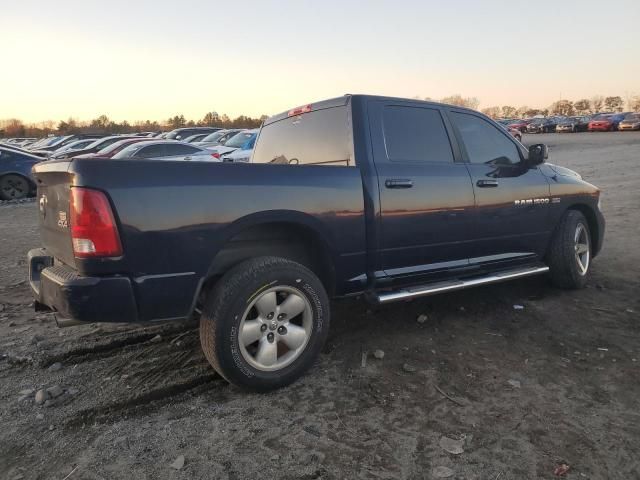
(569, 255)
(264, 323)
(14, 187)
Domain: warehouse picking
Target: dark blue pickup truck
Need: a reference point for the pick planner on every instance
(359, 195)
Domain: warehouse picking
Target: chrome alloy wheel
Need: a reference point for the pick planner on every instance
(581, 247)
(275, 328)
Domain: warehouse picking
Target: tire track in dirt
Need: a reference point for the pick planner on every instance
(133, 372)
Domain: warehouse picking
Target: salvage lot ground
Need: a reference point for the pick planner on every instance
(555, 382)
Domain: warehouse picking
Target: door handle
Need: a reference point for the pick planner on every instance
(487, 183)
(398, 183)
(187, 158)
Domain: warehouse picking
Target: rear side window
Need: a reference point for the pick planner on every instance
(484, 142)
(415, 134)
(315, 138)
(178, 149)
(150, 151)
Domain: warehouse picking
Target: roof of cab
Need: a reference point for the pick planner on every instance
(345, 100)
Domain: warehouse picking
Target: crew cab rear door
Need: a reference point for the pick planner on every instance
(512, 201)
(426, 197)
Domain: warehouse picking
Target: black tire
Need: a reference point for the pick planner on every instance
(14, 187)
(562, 258)
(225, 308)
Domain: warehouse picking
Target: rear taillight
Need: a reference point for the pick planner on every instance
(93, 229)
(216, 155)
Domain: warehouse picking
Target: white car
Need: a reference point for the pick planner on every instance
(245, 140)
(238, 156)
(166, 150)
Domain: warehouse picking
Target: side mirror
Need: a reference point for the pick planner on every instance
(538, 153)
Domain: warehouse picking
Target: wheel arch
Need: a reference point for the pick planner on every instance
(294, 235)
(592, 222)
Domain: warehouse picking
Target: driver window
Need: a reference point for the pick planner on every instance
(484, 142)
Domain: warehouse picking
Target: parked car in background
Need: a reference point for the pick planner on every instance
(218, 138)
(195, 138)
(631, 122)
(243, 140)
(92, 147)
(76, 145)
(541, 125)
(66, 140)
(605, 122)
(182, 133)
(166, 150)
(520, 124)
(517, 134)
(110, 150)
(16, 181)
(573, 124)
(43, 155)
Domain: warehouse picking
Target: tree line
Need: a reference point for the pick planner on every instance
(14, 127)
(584, 106)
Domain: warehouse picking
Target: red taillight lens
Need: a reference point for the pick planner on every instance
(299, 111)
(216, 155)
(93, 229)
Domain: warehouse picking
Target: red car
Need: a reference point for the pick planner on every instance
(114, 148)
(519, 124)
(605, 122)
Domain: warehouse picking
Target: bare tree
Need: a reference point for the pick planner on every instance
(460, 101)
(597, 101)
(562, 107)
(581, 106)
(493, 112)
(614, 103)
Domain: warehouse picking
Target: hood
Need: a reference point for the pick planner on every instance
(565, 172)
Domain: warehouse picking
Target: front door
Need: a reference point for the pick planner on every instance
(426, 197)
(512, 201)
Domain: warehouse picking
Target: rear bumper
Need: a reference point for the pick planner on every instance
(79, 298)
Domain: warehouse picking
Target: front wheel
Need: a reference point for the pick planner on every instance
(569, 255)
(264, 323)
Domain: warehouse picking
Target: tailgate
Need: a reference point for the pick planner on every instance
(54, 181)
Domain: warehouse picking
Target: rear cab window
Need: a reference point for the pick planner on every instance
(319, 137)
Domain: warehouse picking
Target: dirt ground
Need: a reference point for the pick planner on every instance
(520, 391)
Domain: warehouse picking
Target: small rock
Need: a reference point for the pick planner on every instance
(275, 458)
(422, 318)
(39, 416)
(156, 339)
(51, 427)
(454, 447)
(35, 339)
(41, 396)
(178, 463)
(514, 383)
(379, 354)
(408, 368)
(442, 472)
(27, 391)
(54, 367)
(12, 323)
(518, 307)
(55, 391)
(73, 391)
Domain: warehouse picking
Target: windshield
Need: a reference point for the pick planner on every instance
(115, 146)
(633, 116)
(537, 121)
(213, 137)
(239, 140)
(602, 116)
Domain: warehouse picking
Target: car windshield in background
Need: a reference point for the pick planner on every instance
(114, 146)
(537, 121)
(213, 137)
(602, 116)
(633, 116)
(239, 140)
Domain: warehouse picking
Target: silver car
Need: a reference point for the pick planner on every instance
(166, 150)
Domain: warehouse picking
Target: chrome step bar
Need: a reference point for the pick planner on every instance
(450, 286)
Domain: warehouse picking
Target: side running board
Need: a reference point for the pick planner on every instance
(449, 286)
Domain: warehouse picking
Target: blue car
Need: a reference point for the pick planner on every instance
(16, 180)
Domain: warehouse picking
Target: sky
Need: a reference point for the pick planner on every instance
(140, 59)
